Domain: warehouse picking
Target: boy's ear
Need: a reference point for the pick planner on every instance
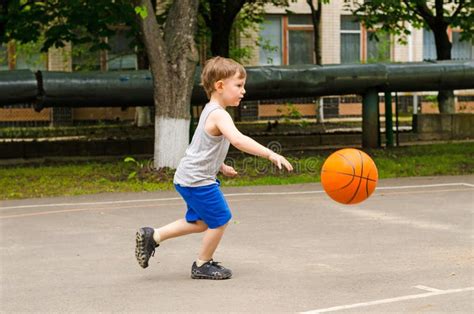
(219, 85)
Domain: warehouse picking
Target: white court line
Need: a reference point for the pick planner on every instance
(423, 186)
(232, 194)
(427, 288)
(391, 300)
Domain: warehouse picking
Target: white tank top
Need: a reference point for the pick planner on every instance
(204, 156)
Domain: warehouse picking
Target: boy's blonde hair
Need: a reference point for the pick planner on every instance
(219, 68)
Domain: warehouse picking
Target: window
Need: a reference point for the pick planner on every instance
(300, 39)
(270, 41)
(378, 51)
(461, 50)
(121, 56)
(300, 19)
(350, 39)
(287, 40)
(429, 46)
(301, 47)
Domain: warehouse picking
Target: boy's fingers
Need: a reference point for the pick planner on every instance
(278, 163)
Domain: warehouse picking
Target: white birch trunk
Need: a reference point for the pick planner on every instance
(173, 56)
(171, 141)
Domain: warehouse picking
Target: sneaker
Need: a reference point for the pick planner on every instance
(210, 270)
(145, 246)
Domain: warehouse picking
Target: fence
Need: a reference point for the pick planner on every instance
(339, 107)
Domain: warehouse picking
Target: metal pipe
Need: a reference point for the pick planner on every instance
(134, 88)
(18, 87)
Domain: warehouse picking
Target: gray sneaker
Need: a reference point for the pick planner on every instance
(145, 246)
(210, 270)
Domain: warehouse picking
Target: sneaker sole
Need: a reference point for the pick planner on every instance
(209, 277)
(140, 249)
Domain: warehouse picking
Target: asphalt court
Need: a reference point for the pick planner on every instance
(409, 248)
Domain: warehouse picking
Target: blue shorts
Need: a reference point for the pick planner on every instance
(206, 203)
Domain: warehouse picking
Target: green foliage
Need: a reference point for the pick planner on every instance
(86, 23)
(30, 54)
(3, 56)
(78, 22)
(138, 166)
(250, 16)
(383, 47)
(83, 59)
(433, 99)
(248, 22)
(289, 112)
(142, 11)
(392, 16)
(267, 47)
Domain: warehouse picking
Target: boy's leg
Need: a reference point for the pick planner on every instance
(211, 240)
(205, 267)
(147, 239)
(178, 228)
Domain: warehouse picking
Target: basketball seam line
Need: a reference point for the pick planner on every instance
(350, 163)
(367, 184)
(345, 186)
(360, 180)
(353, 173)
(348, 174)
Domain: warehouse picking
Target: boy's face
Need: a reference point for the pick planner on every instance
(231, 90)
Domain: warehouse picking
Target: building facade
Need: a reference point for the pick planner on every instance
(283, 39)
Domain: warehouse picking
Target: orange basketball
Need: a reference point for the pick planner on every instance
(349, 176)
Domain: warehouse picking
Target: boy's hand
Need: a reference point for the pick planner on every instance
(279, 160)
(228, 171)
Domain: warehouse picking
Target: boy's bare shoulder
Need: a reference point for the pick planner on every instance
(220, 114)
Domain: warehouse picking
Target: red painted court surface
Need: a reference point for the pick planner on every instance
(409, 248)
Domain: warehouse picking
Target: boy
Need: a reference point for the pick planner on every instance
(195, 178)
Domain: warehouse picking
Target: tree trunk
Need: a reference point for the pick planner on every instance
(142, 114)
(220, 41)
(316, 18)
(220, 21)
(443, 52)
(173, 57)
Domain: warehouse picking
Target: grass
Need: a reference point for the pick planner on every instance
(76, 178)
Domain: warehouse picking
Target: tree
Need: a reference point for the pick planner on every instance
(173, 56)
(61, 22)
(83, 23)
(316, 18)
(219, 17)
(169, 45)
(392, 16)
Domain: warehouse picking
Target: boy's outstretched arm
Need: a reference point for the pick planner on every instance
(226, 126)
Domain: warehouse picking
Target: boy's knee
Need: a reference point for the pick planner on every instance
(202, 226)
